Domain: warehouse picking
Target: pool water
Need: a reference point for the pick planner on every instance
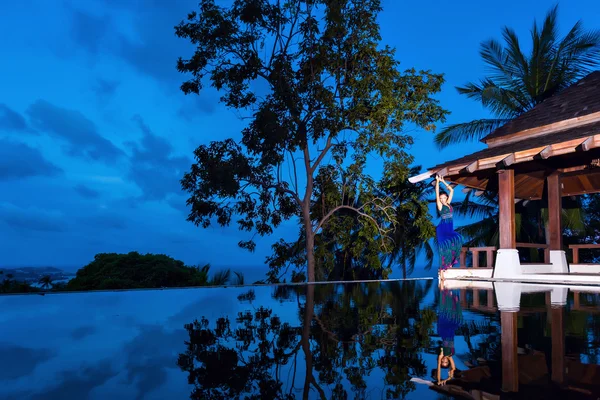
(326, 341)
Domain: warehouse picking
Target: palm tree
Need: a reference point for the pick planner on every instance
(518, 81)
(413, 230)
(46, 282)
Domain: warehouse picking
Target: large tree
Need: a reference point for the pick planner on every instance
(322, 93)
(518, 81)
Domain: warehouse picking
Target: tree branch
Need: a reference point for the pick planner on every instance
(323, 154)
(359, 210)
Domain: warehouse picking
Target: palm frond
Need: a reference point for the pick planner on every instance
(238, 280)
(467, 131)
(481, 233)
(220, 278)
(472, 209)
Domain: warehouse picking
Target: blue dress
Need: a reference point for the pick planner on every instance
(449, 319)
(449, 242)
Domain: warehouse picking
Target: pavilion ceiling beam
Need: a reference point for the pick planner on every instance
(546, 153)
(508, 160)
(590, 143)
(474, 166)
(421, 177)
(442, 172)
(567, 147)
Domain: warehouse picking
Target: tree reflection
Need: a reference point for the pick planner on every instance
(344, 342)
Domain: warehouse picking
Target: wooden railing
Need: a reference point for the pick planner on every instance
(537, 246)
(575, 248)
(593, 309)
(490, 250)
(475, 251)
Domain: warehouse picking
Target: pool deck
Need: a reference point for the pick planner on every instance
(575, 277)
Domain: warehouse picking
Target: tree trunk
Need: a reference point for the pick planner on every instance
(310, 243)
(310, 256)
(309, 310)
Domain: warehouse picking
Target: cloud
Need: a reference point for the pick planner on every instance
(88, 30)
(11, 120)
(78, 384)
(75, 129)
(83, 332)
(21, 361)
(31, 219)
(150, 355)
(179, 203)
(18, 161)
(149, 45)
(154, 167)
(106, 221)
(87, 192)
(105, 89)
(194, 105)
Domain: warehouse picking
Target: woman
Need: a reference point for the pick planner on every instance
(449, 242)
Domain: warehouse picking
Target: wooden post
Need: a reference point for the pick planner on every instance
(490, 299)
(490, 258)
(475, 258)
(476, 298)
(510, 367)
(463, 257)
(558, 344)
(506, 197)
(463, 298)
(555, 211)
(576, 301)
(575, 255)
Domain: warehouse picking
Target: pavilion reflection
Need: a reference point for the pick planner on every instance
(531, 364)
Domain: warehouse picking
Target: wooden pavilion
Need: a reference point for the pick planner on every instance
(551, 151)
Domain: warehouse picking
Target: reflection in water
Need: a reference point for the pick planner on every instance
(449, 320)
(360, 341)
(345, 339)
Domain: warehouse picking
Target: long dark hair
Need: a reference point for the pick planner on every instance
(442, 192)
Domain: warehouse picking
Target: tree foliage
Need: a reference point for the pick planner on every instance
(135, 271)
(341, 341)
(10, 285)
(323, 94)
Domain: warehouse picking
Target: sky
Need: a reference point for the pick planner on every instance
(95, 133)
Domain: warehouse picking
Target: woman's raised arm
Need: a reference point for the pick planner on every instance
(450, 191)
(437, 193)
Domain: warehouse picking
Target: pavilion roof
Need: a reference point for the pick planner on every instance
(563, 142)
(576, 101)
(562, 126)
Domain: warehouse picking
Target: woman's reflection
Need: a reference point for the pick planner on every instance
(449, 320)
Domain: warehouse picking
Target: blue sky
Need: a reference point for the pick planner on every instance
(95, 134)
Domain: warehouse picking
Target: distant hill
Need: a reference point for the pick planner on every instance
(34, 274)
